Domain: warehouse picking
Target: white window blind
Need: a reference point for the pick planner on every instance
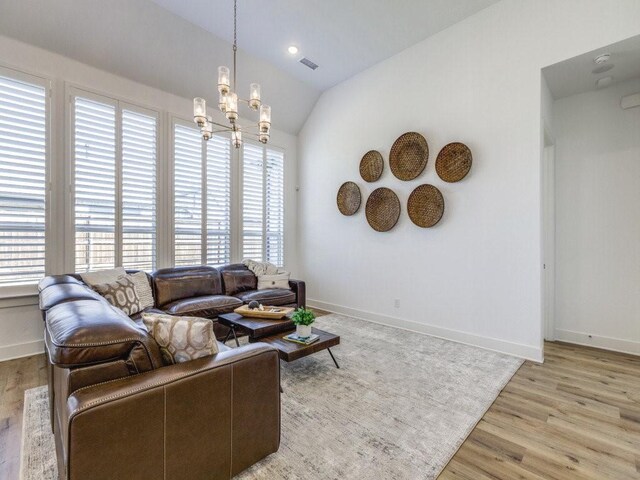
(138, 190)
(274, 184)
(252, 202)
(262, 204)
(115, 155)
(218, 194)
(23, 119)
(187, 195)
(94, 184)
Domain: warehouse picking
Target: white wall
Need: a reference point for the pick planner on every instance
(476, 276)
(597, 219)
(21, 326)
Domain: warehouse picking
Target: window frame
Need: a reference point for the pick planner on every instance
(176, 120)
(20, 75)
(240, 189)
(72, 91)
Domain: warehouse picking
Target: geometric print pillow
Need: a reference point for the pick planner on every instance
(181, 338)
(121, 294)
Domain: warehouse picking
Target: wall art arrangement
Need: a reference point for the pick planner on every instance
(408, 158)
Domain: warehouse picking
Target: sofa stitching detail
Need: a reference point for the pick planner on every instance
(147, 387)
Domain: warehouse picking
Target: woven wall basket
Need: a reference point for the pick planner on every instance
(425, 206)
(349, 198)
(454, 162)
(409, 155)
(383, 209)
(371, 166)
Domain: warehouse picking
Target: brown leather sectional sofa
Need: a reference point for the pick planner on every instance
(118, 412)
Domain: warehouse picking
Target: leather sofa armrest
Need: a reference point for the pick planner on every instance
(214, 417)
(300, 289)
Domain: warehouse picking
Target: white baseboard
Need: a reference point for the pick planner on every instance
(9, 352)
(606, 343)
(515, 349)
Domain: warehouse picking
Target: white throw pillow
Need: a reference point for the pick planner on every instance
(280, 280)
(100, 277)
(143, 289)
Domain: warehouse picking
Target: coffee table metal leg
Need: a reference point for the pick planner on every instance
(235, 337)
(226, 339)
(333, 358)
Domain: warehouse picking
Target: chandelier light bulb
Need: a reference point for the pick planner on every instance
(254, 96)
(263, 137)
(207, 129)
(200, 111)
(265, 118)
(222, 102)
(232, 107)
(224, 84)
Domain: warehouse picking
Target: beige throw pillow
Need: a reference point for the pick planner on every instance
(181, 338)
(100, 277)
(280, 280)
(121, 294)
(143, 289)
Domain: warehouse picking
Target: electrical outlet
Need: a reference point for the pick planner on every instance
(396, 303)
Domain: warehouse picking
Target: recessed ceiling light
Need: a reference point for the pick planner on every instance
(292, 49)
(602, 58)
(604, 82)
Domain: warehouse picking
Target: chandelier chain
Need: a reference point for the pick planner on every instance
(235, 40)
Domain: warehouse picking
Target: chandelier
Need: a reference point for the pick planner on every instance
(228, 104)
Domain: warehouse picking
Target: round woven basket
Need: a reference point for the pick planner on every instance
(425, 206)
(383, 209)
(409, 155)
(349, 198)
(454, 162)
(371, 166)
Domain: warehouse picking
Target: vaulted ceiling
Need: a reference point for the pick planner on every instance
(177, 45)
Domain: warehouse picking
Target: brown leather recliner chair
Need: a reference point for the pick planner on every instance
(118, 412)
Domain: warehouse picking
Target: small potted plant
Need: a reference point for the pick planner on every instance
(303, 318)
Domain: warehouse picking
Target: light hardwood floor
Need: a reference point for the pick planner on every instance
(577, 416)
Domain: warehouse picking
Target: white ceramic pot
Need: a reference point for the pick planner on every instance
(303, 331)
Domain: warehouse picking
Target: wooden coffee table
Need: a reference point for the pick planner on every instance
(273, 332)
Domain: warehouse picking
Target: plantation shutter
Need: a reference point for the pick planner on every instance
(252, 202)
(95, 187)
(274, 218)
(218, 201)
(23, 115)
(138, 190)
(188, 195)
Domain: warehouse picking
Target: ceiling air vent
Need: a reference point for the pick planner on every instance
(305, 61)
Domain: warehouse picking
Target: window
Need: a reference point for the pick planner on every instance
(115, 157)
(202, 198)
(23, 178)
(262, 204)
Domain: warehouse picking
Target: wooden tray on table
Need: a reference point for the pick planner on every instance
(272, 313)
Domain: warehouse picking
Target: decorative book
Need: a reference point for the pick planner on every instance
(293, 337)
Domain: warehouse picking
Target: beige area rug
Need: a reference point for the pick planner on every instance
(398, 408)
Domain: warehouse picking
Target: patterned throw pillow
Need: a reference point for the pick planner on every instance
(121, 294)
(143, 289)
(181, 338)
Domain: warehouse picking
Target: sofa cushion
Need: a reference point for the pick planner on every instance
(88, 331)
(57, 280)
(57, 293)
(271, 296)
(181, 338)
(279, 281)
(208, 306)
(172, 284)
(237, 281)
